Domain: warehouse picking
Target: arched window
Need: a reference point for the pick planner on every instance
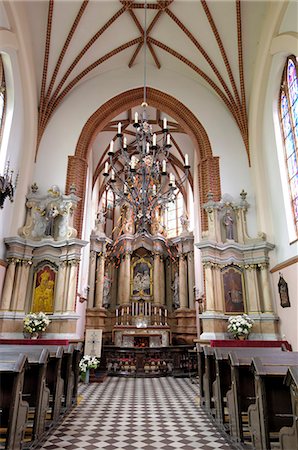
(173, 213)
(289, 125)
(2, 98)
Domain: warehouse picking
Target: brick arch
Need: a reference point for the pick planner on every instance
(208, 166)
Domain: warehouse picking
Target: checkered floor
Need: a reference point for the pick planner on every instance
(138, 414)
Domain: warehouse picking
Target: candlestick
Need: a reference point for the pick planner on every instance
(186, 163)
(165, 123)
(111, 151)
(124, 142)
(119, 128)
(168, 139)
(106, 167)
(147, 148)
(154, 140)
(136, 117)
(164, 166)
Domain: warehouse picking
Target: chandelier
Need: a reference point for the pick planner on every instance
(137, 173)
(7, 186)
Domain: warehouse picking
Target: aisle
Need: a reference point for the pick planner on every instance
(137, 414)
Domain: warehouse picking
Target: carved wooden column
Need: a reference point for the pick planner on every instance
(91, 278)
(8, 285)
(60, 287)
(100, 268)
(267, 302)
(24, 276)
(191, 278)
(72, 285)
(210, 299)
(124, 279)
(183, 281)
(253, 300)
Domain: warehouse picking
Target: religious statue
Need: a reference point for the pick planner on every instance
(51, 213)
(185, 223)
(100, 222)
(44, 294)
(106, 291)
(175, 289)
(141, 282)
(229, 224)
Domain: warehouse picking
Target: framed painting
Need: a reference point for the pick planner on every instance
(233, 288)
(43, 290)
(141, 278)
(283, 292)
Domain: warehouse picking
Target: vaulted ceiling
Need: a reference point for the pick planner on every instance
(211, 42)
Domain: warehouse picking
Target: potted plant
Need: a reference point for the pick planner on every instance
(35, 324)
(87, 363)
(240, 326)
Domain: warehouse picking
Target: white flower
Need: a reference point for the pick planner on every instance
(88, 362)
(34, 322)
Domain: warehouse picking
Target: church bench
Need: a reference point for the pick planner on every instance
(242, 392)
(272, 409)
(201, 369)
(35, 391)
(288, 436)
(77, 355)
(223, 381)
(209, 377)
(13, 409)
(54, 381)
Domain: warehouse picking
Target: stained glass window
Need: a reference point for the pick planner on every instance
(2, 98)
(289, 124)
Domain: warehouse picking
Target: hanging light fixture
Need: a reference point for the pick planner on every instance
(137, 173)
(7, 186)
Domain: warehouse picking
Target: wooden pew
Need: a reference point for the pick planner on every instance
(35, 391)
(242, 392)
(288, 436)
(201, 370)
(223, 382)
(208, 379)
(272, 409)
(54, 380)
(77, 355)
(13, 409)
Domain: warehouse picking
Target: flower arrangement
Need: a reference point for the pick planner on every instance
(88, 362)
(36, 322)
(240, 325)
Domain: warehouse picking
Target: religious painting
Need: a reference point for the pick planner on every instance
(233, 288)
(141, 278)
(283, 292)
(43, 290)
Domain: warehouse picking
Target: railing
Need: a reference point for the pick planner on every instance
(141, 314)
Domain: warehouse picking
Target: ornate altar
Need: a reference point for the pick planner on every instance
(236, 270)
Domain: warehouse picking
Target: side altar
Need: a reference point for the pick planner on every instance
(42, 266)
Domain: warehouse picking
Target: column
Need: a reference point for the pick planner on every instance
(24, 276)
(210, 299)
(91, 278)
(72, 286)
(191, 278)
(16, 288)
(162, 281)
(124, 280)
(156, 279)
(267, 302)
(253, 300)
(8, 285)
(183, 298)
(60, 287)
(100, 272)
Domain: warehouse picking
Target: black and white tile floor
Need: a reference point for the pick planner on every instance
(137, 414)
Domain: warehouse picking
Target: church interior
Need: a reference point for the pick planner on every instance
(149, 219)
